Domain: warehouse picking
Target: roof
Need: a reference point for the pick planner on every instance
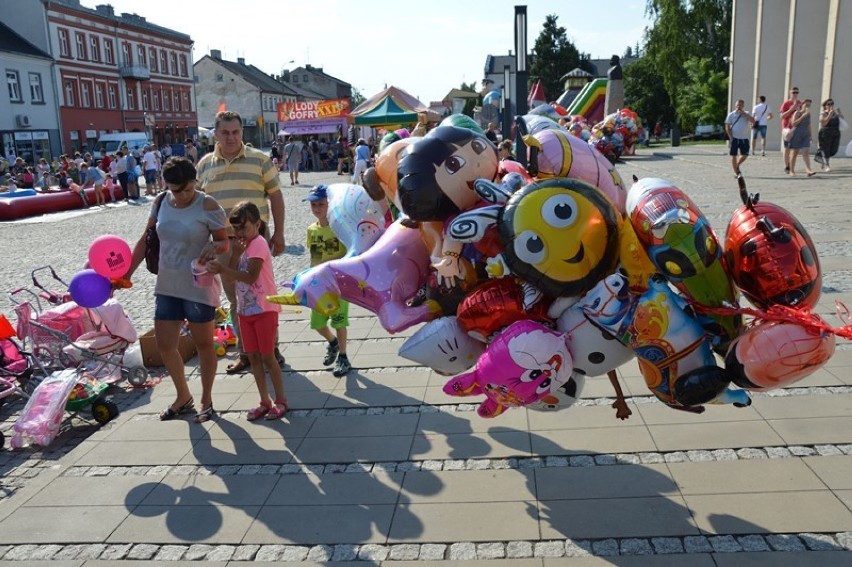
(318, 71)
(125, 19)
(458, 93)
(261, 80)
(390, 107)
(11, 42)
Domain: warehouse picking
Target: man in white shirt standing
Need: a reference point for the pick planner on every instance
(762, 114)
(151, 167)
(737, 126)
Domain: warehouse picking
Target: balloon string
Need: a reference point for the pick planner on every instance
(799, 316)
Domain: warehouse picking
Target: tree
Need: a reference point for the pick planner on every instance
(553, 56)
(470, 103)
(645, 95)
(704, 95)
(356, 98)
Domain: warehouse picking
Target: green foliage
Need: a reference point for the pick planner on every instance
(553, 55)
(470, 103)
(703, 98)
(645, 95)
(356, 98)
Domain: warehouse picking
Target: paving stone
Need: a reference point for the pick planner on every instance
(778, 452)
(198, 551)
(69, 552)
(170, 553)
(490, 551)
(519, 549)
(549, 549)
(636, 546)
(373, 552)
(432, 465)
(290, 469)
(605, 460)
(245, 552)
(20, 552)
(335, 468)
(320, 553)
(605, 547)
(476, 464)
(845, 540)
(820, 542)
(666, 545)
(384, 467)
(700, 456)
(499, 464)
(408, 466)
(751, 453)
(143, 551)
(404, 552)
(531, 463)
(582, 461)
(159, 470)
(696, 544)
(433, 552)
(651, 458)
(753, 543)
(248, 470)
(463, 551)
(785, 542)
(802, 451)
(725, 544)
(676, 457)
(454, 465)
(828, 450)
(556, 461)
(228, 470)
(627, 459)
(115, 552)
(269, 469)
(578, 548)
(294, 553)
(345, 552)
(4, 549)
(724, 455)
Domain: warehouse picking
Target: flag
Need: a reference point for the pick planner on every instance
(536, 97)
(222, 107)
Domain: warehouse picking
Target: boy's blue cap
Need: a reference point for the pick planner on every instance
(318, 193)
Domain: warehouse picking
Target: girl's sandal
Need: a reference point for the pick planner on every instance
(205, 415)
(259, 411)
(278, 410)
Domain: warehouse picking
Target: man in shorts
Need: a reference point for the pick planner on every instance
(762, 114)
(738, 125)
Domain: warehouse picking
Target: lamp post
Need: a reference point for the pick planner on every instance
(520, 77)
(506, 127)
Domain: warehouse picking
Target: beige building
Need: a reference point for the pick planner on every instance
(779, 44)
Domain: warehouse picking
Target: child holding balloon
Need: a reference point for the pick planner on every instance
(258, 317)
(325, 246)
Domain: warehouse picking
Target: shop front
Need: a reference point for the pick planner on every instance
(31, 145)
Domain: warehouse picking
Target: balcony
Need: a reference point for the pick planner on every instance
(139, 72)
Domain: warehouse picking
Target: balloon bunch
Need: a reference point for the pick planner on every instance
(530, 281)
(109, 260)
(617, 134)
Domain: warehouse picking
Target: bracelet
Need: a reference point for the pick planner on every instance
(451, 254)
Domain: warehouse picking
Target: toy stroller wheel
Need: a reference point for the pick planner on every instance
(137, 376)
(104, 411)
(46, 356)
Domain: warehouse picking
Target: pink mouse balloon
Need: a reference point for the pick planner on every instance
(527, 362)
(381, 280)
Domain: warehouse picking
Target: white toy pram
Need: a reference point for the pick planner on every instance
(70, 336)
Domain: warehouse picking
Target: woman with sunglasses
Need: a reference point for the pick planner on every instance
(191, 227)
(829, 132)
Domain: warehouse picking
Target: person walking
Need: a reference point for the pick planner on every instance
(191, 227)
(324, 247)
(800, 142)
(829, 132)
(738, 125)
(254, 279)
(293, 158)
(232, 173)
(362, 161)
(762, 115)
(788, 108)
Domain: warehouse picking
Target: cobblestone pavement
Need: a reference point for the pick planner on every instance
(382, 467)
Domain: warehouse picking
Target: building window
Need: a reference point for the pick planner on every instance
(140, 51)
(69, 94)
(95, 48)
(174, 64)
(99, 95)
(85, 95)
(13, 81)
(164, 65)
(64, 47)
(295, 78)
(183, 66)
(156, 100)
(220, 78)
(109, 57)
(36, 92)
(131, 100)
(126, 54)
(152, 57)
(111, 93)
(185, 101)
(176, 100)
(305, 78)
(81, 46)
(167, 104)
(145, 100)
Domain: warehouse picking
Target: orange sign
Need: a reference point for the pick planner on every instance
(313, 109)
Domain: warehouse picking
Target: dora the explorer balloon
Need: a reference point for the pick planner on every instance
(436, 174)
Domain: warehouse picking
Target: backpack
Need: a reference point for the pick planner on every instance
(314, 147)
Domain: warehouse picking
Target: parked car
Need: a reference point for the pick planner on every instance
(709, 132)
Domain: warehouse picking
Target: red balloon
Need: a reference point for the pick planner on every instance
(495, 305)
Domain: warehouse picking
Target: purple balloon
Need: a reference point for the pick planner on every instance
(89, 289)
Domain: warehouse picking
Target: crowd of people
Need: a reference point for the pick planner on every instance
(744, 129)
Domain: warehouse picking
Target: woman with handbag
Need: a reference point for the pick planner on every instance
(801, 139)
(829, 133)
(190, 228)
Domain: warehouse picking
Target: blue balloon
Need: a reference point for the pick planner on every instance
(492, 97)
(89, 289)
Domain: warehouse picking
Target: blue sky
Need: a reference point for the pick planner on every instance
(373, 43)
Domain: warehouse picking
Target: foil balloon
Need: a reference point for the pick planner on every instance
(380, 181)
(436, 172)
(674, 353)
(771, 257)
(634, 260)
(495, 305)
(508, 167)
(559, 235)
(525, 364)
(443, 346)
(556, 153)
(463, 121)
(684, 249)
(381, 280)
(355, 218)
(562, 397)
(776, 354)
(540, 119)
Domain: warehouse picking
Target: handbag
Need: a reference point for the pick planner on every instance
(787, 133)
(152, 241)
(819, 157)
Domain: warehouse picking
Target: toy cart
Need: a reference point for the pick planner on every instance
(87, 393)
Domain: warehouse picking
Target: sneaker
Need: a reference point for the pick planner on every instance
(342, 367)
(331, 353)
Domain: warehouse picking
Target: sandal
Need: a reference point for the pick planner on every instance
(241, 365)
(278, 410)
(259, 411)
(205, 414)
(170, 413)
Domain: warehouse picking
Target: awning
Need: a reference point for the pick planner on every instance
(301, 127)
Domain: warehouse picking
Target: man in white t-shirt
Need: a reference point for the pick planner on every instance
(151, 167)
(762, 114)
(737, 126)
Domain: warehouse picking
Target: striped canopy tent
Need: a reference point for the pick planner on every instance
(392, 107)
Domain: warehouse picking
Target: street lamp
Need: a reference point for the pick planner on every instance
(520, 77)
(507, 103)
